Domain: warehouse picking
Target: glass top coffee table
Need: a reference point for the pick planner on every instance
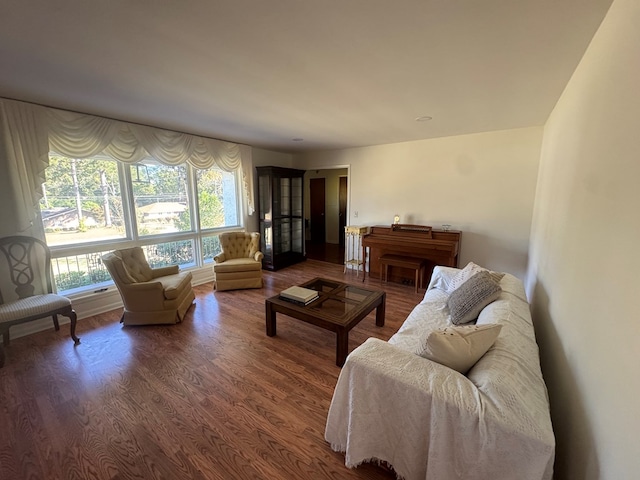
(338, 308)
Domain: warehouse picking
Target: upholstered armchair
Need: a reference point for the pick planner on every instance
(239, 265)
(150, 295)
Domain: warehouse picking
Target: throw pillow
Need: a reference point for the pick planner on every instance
(467, 272)
(459, 348)
(466, 302)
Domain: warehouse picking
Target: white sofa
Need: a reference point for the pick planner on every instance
(430, 422)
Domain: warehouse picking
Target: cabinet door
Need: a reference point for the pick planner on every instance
(297, 238)
(296, 197)
(264, 197)
(281, 236)
(266, 242)
(284, 193)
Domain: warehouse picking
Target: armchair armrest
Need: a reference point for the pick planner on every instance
(163, 271)
(221, 257)
(258, 256)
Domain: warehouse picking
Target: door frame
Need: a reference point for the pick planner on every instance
(349, 182)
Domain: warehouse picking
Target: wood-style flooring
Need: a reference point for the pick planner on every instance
(325, 252)
(210, 398)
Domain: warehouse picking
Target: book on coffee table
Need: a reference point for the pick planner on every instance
(299, 295)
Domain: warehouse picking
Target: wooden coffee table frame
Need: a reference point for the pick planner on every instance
(341, 323)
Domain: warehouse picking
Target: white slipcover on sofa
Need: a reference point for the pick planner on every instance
(430, 422)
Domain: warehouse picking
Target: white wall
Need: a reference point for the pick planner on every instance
(482, 184)
(265, 158)
(583, 276)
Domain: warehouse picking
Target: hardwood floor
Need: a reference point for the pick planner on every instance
(210, 398)
(325, 252)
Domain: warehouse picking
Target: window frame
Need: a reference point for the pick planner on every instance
(196, 235)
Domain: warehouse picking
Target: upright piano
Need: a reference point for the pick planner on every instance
(437, 247)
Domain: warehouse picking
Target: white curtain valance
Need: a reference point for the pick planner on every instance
(78, 135)
(28, 132)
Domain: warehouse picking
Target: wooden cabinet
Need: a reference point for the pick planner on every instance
(280, 215)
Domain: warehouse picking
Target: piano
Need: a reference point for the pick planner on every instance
(437, 247)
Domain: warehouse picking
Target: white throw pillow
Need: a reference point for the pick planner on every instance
(467, 272)
(459, 348)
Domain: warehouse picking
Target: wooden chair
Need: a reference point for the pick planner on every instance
(27, 265)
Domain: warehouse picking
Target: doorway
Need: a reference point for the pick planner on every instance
(326, 201)
(342, 209)
(317, 210)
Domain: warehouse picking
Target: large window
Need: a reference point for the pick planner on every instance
(94, 205)
(161, 198)
(82, 201)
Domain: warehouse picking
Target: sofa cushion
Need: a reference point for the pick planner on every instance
(459, 347)
(467, 272)
(468, 300)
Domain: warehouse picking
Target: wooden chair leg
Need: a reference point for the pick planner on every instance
(1, 356)
(55, 321)
(5, 336)
(72, 326)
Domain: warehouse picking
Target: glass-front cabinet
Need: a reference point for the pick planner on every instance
(280, 208)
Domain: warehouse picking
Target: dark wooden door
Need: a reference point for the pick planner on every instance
(342, 208)
(317, 213)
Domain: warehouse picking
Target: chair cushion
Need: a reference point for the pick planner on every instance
(239, 244)
(174, 285)
(30, 306)
(118, 271)
(237, 265)
(136, 264)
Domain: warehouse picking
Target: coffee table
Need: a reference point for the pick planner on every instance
(339, 308)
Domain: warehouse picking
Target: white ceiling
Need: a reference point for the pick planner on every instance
(336, 73)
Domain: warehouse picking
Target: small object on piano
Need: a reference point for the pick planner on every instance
(446, 227)
(396, 220)
(411, 229)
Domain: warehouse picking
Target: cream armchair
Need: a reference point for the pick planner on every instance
(239, 265)
(150, 295)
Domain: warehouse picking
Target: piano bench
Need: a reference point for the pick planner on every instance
(417, 264)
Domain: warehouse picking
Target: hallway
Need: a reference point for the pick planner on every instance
(325, 252)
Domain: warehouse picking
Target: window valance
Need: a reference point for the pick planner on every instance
(29, 131)
(77, 135)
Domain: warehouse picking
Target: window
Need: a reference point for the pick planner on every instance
(95, 205)
(82, 201)
(217, 197)
(161, 199)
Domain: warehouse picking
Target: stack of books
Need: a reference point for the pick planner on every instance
(299, 295)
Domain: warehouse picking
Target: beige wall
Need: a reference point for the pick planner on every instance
(585, 259)
(482, 184)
